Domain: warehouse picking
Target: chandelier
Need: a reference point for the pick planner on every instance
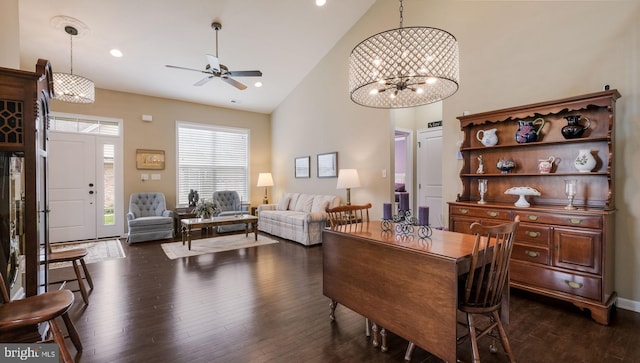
(69, 87)
(404, 67)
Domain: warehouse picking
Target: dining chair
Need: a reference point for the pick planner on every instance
(355, 218)
(43, 308)
(484, 286)
(74, 256)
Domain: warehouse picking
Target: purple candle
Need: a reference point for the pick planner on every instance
(386, 211)
(423, 216)
(404, 201)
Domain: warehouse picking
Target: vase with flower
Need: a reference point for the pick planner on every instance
(205, 209)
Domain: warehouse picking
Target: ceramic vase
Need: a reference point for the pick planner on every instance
(585, 162)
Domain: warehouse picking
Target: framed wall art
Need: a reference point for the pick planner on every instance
(301, 165)
(328, 165)
(149, 159)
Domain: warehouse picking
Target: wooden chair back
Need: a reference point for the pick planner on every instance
(489, 272)
(348, 218)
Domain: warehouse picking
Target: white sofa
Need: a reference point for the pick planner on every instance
(297, 217)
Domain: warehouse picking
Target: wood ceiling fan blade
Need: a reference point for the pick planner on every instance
(234, 83)
(245, 73)
(203, 81)
(213, 63)
(187, 69)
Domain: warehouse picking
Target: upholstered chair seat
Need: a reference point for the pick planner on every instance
(148, 218)
(228, 203)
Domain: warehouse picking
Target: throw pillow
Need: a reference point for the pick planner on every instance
(283, 204)
(304, 203)
(320, 203)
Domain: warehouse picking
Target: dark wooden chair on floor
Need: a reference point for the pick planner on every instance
(485, 284)
(355, 218)
(34, 310)
(73, 256)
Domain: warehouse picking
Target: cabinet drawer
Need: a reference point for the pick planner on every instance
(481, 212)
(530, 253)
(589, 287)
(531, 233)
(572, 220)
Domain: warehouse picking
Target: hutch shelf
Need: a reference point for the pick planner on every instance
(563, 253)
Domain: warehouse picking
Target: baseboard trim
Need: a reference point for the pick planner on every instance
(627, 304)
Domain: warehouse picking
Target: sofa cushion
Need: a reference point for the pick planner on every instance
(321, 202)
(293, 201)
(283, 203)
(304, 203)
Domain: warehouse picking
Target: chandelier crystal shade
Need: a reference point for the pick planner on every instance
(404, 67)
(69, 87)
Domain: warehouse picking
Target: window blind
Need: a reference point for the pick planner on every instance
(210, 159)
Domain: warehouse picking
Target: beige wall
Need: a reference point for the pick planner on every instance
(161, 134)
(10, 35)
(511, 53)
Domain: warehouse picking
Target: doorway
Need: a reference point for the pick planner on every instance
(403, 165)
(85, 186)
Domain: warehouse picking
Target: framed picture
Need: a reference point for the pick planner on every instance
(149, 159)
(302, 167)
(328, 165)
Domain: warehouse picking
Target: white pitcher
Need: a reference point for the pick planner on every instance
(488, 138)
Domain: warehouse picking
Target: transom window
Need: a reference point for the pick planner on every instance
(211, 158)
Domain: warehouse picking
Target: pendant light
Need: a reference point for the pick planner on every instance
(69, 87)
(404, 67)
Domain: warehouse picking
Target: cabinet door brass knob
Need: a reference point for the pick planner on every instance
(464, 211)
(492, 214)
(532, 234)
(575, 220)
(532, 218)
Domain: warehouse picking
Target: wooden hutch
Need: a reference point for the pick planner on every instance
(563, 253)
(24, 111)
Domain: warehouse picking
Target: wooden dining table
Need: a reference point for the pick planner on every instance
(403, 283)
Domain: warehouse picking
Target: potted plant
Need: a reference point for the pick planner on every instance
(205, 209)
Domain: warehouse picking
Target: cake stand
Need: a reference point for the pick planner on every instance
(522, 192)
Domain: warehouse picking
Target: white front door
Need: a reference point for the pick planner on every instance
(430, 173)
(85, 186)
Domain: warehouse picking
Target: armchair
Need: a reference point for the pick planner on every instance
(228, 204)
(148, 218)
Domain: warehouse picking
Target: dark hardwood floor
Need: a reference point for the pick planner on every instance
(265, 304)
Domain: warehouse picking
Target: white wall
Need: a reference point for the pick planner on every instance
(511, 53)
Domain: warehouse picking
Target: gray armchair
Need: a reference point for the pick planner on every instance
(148, 218)
(228, 203)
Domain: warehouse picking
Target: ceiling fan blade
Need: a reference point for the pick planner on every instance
(245, 73)
(203, 81)
(186, 69)
(234, 83)
(213, 63)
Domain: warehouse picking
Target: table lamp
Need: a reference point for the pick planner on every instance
(347, 179)
(265, 180)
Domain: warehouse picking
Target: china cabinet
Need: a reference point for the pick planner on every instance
(560, 251)
(24, 112)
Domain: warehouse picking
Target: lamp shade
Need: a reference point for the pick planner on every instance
(265, 180)
(348, 178)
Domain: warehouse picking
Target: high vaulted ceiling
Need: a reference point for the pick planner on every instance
(284, 39)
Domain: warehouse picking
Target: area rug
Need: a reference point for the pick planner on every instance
(98, 251)
(175, 250)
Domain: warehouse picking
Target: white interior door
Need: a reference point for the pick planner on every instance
(430, 173)
(84, 187)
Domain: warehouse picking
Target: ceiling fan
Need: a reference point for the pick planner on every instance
(215, 69)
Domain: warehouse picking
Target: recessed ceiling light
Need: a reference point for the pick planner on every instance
(321, 2)
(116, 52)
(258, 84)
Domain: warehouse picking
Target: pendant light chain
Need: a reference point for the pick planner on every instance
(71, 56)
(401, 10)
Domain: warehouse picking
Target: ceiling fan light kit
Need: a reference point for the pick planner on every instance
(404, 67)
(215, 69)
(69, 87)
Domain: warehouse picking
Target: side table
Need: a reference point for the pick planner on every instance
(182, 213)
